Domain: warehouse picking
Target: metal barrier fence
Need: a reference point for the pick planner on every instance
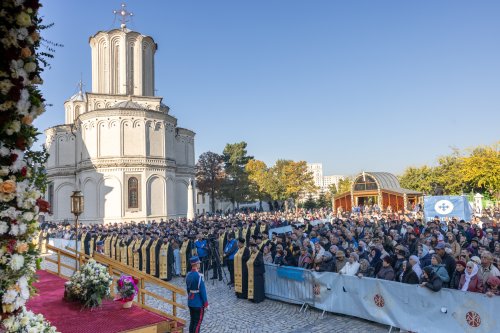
(409, 307)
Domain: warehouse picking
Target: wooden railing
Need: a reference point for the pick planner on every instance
(116, 269)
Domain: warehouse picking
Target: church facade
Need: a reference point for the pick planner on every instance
(119, 145)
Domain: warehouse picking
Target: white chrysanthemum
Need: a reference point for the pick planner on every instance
(9, 297)
(4, 227)
(4, 151)
(20, 34)
(16, 262)
(28, 216)
(9, 322)
(14, 230)
(22, 228)
(17, 165)
(14, 127)
(11, 213)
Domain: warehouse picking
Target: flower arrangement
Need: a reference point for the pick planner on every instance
(27, 322)
(22, 178)
(90, 285)
(127, 288)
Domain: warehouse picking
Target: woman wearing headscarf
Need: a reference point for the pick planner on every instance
(415, 266)
(430, 280)
(409, 276)
(365, 270)
(457, 275)
(376, 262)
(470, 281)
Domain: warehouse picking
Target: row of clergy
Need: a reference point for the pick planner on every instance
(153, 254)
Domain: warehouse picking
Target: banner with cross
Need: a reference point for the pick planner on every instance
(447, 206)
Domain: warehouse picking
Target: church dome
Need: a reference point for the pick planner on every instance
(128, 105)
(78, 97)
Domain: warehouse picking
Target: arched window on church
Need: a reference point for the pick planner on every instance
(133, 193)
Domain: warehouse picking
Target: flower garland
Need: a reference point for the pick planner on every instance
(27, 321)
(22, 177)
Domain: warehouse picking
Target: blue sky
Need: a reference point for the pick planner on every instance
(356, 85)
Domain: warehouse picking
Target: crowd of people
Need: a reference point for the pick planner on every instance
(439, 253)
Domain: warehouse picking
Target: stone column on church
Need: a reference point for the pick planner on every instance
(191, 203)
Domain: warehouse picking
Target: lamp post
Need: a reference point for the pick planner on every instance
(76, 209)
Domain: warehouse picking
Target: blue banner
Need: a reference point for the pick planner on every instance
(447, 206)
(291, 273)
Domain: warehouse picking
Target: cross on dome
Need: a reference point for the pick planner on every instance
(125, 14)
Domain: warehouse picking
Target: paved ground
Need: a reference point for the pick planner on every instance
(229, 314)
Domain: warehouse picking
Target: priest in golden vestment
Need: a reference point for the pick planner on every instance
(185, 253)
(107, 244)
(256, 269)
(240, 269)
(136, 253)
(123, 246)
(131, 249)
(154, 253)
(165, 260)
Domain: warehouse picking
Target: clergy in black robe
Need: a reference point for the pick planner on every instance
(255, 267)
(165, 260)
(240, 269)
(92, 241)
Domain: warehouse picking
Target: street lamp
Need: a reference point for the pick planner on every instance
(76, 209)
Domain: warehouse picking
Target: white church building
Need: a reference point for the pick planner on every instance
(119, 145)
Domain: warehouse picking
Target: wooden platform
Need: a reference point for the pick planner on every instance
(68, 317)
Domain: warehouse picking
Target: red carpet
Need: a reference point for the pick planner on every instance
(69, 318)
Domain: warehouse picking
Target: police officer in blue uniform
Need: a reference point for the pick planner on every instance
(197, 295)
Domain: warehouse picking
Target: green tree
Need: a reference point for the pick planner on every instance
(323, 201)
(289, 180)
(258, 176)
(449, 173)
(309, 203)
(481, 170)
(236, 185)
(332, 189)
(419, 179)
(345, 185)
(210, 175)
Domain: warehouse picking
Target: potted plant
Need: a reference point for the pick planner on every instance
(127, 289)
